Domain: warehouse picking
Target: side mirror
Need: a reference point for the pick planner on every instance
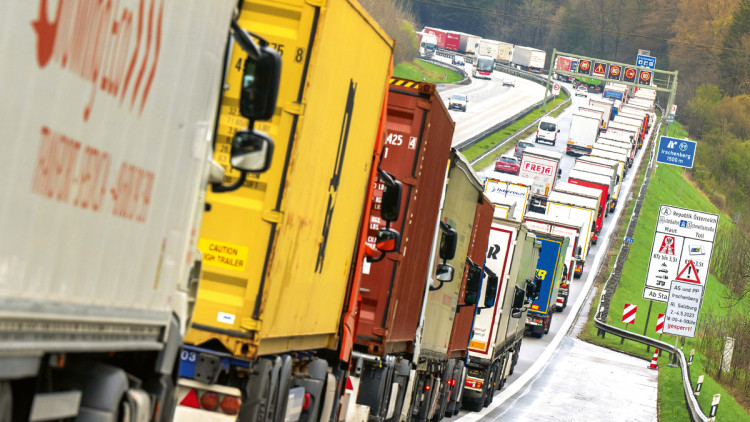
(519, 296)
(515, 313)
(260, 84)
(388, 240)
(558, 130)
(251, 151)
(473, 284)
(390, 205)
(537, 287)
(444, 273)
(448, 240)
(579, 251)
(530, 289)
(491, 291)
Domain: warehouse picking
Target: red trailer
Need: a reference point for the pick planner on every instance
(439, 33)
(596, 181)
(452, 40)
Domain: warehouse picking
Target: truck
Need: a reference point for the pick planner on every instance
(640, 132)
(427, 45)
(619, 139)
(617, 164)
(640, 116)
(452, 40)
(469, 44)
(615, 91)
(589, 195)
(610, 171)
(604, 111)
(584, 128)
(596, 181)
(614, 156)
(502, 188)
(454, 377)
(576, 231)
(638, 111)
(606, 104)
(543, 167)
(499, 326)
(504, 52)
(566, 64)
(440, 35)
(625, 130)
(105, 177)
(528, 58)
(287, 230)
(642, 102)
(549, 272)
(397, 283)
(488, 48)
(462, 195)
(483, 67)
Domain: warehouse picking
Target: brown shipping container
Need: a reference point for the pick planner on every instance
(480, 235)
(418, 135)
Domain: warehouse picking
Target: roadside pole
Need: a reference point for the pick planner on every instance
(549, 80)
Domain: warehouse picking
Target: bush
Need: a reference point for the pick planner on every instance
(396, 21)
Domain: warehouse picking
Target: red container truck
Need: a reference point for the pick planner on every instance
(439, 33)
(418, 136)
(452, 40)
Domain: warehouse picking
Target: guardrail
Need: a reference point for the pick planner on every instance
(696, 414)
(464, 76)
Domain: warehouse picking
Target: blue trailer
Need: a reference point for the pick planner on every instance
(549, 272)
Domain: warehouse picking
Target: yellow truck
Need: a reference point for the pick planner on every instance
(279, 252)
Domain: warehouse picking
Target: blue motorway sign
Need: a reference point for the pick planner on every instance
(645, 61)
(629, 240)
(677, 152)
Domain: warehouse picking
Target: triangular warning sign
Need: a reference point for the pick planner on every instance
(689, 273)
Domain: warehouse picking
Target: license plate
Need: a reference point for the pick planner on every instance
(188, 360)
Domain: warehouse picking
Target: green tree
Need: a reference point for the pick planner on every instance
(734, 60)
(701, 108)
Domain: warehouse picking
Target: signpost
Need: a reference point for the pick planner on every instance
(556, 89)
(646, 61)
(681, 251)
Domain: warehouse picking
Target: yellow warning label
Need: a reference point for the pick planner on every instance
(478, 345)
(224, 255)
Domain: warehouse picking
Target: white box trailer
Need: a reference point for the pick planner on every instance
(529, 58)
(624, 140)
(614, 156)
(503, 189)
(584, 128)
(604, 112)
(628, 131)
(542, 166)
(604, 103)
(574, 207)
(108, 118)
(603, 167)
(572, 228)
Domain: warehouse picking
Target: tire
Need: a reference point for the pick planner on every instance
(473, 405)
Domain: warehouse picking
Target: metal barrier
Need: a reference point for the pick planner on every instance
(696, 414)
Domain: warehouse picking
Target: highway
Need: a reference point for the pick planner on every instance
(489, 101)
(546, 363)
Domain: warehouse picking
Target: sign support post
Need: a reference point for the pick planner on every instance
(648, 315)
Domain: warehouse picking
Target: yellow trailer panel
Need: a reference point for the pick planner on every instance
(278, 251)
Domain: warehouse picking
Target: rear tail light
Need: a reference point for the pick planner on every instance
(230, 405)
(191, 400)
(210, 401)
(427, 388)
(306, 403)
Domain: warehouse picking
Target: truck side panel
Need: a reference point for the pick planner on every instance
(102, 168)
(297, 224)
(417, 146)
(459, 341)
(549, 271)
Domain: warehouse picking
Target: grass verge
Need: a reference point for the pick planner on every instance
(665, 187)
(418, 69)
(500, 136)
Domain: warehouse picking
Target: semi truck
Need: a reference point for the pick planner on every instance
(549, 271)
(638, 123)
(567, 64)
(428, 43)
(576, 231)
(616, 165)
(640, 112)
(396, 284)
(288, 230)
(596, 181)
(463, 194)
(609, 155)
(543, 167)
(604, 103)
(615, 91)
(610, 172)
(499, 325)
(439, 34)
(105, 170)
(528, 58)
(626, 131)
(595, 109)
(501, 188)
(470, 44)
(590, 197)
(489, 48)
(504, 52)
(584, 128)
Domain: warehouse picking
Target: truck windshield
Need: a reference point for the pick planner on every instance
(429, 46)
(485, 65)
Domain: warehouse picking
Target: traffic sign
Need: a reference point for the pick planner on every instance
(584, 67)
(660, 324)
(629, 75)
(643, 60)
(674, 109)
(628, 313)
(556, 89)
(644, 77)
(683, 306)
(629, 240)
(681, 251)
(615, 72)
(675, 151)
(600, 69)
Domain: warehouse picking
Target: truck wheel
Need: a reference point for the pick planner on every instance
(473, 405)
(565, 302)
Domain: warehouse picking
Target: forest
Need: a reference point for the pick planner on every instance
(707, 41)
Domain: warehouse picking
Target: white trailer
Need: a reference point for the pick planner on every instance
(542, 166)
(574, 207)
(502, 189)
(610, 170)
(604, 111)
(584, 128)
(107, 141)
(528, 58)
